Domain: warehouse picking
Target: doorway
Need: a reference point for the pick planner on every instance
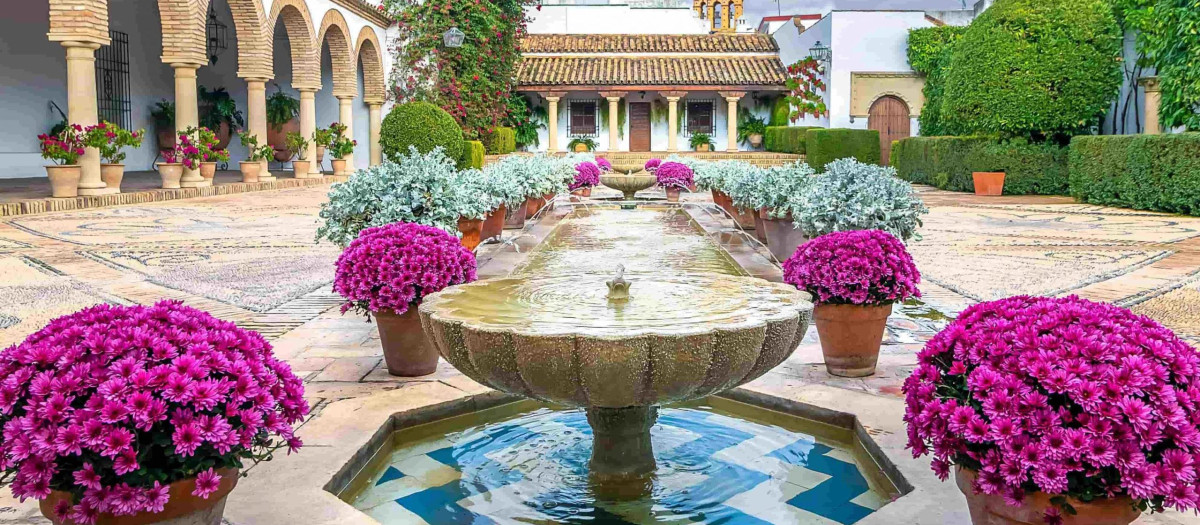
(639, 126)
(889, 115)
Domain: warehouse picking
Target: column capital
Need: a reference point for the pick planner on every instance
(732, 95)
(673, 99)
(71, 44)
(612, 94)
(1151, 84)
(307, 89)
(553, 99)
(613, 100)
(676, 94)
(552, 94)
(344, 98)
(256, 80)
(184, 66)
(304, 87)
(375, 102)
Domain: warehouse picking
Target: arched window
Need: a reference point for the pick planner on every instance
(718, 15)
(703, 10)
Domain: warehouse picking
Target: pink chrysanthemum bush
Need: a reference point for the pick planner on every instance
(652, 165)
(1064, 396)
(604, 165)
(114, 403)
(587, 175)
(391, 267)
(674, 175)
(862, 267)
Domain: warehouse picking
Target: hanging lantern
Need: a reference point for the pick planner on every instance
(216, 32)
(821, 52)
(453, 37)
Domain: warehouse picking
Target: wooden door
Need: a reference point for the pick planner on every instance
(639, 126)
(890, 116)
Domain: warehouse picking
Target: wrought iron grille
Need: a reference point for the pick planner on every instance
(112, 81)
(698, 118)
(582, 118)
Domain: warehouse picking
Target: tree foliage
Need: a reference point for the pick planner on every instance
(1168, 39)
(929, 50)
(1034, 68)
(471, 82)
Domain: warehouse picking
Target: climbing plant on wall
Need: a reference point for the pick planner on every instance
(805, 87)
(929, 54)
(1168, 38)
(471, 82)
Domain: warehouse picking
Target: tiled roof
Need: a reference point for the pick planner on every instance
(650, 71)
(719, 43)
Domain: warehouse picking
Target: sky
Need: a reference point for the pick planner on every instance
(754, 10)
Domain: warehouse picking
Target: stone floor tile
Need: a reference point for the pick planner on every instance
(347, 369)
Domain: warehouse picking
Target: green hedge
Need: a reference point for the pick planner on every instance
(823, 146)
(1145, 172)
(947, 162)
(472, 155)
(423, 125)
(500, 142)
(781, 112)
(785, 139)
(929, 51)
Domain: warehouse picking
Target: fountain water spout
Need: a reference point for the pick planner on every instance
(618, 287)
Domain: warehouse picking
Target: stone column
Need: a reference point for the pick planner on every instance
(732, 97)
(81, 110)
(1153, 100)
(375, 125)
(614, 125)
(552, 125)
(187, 115)
(672, 124)
(346, 111)
(256, 114)
(308, 126)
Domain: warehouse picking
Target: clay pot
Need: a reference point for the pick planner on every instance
(339, 166)
(745, 217)
(112, 174)
(182, 507)
(514, 218)
(760, 232)
(170, 173)
(300, 168)
(583, 192)
(320, 155)
(581, 148)
(850, 337)
(277, 138)
(755, 139)
(166, 138)
(250, 171)
(223, 135)
(472, 232)
(673, 194)
(989, 509)
(208, 170)
(704, 147)
(990, 183)
(64, 180)
(548, 199)
(493, 225)
(782, 236)
(721, 200)
(406, 350)
(533, 205)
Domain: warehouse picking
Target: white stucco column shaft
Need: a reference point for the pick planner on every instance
(308, 127)
(187, 115)
(346, 112)
(375, 127)
(672, 124)
(1153, 100)
(614, 142)
(552, 125)
(81, 110)
(731, 117)
(256, 113)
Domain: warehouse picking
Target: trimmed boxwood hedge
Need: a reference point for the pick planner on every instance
(823, 146)
(472, 155)
(423, 125)
(947, 162)
(1145, 172)
(500, 142)
(781, 112)
(785, 139)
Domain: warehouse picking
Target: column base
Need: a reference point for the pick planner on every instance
(622, 465)
(266, 177)
(734, 150)
(91, 192)
(195, 183)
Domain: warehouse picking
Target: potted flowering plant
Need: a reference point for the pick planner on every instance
(1058, 410)
(151, 426)
(587, 175)
(652, 165)
(171, 168)
(386, 271)
(340, 147)
(322, 137)
(198, 146)
(298, 144)
(674, 177)
(854, 278)
(258, 155)
(604, 165)
(64, 149)
(111, 140)
(581, 145)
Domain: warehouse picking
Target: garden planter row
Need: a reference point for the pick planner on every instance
(780, 234)
(743, 218)
(64, 179)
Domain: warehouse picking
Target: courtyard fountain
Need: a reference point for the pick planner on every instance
(626, 178)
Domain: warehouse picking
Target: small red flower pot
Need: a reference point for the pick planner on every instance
(514, 218)
(493, 225)
(672, 194)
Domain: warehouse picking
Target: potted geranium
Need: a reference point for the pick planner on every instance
(64, 150)
(170, 170)
(141, 414)
(854, 278)
(674, 177)
(190, 151)
(210, 153)
(252, 167)
(386, 271)
(301, 165)
(587, 175)
(1058, 410)
(340, 147)
(111, 140)
(702, 142)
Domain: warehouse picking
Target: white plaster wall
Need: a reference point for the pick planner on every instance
(794, 45)
(614, 19)
(1128, 117)
(34, 73)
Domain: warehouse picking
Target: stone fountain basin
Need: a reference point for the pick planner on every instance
(628, 184)
(561, 340)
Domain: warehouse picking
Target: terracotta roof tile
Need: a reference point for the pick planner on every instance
(647, 71)
(718, 43)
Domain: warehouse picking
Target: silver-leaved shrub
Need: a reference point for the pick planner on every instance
(851, 195)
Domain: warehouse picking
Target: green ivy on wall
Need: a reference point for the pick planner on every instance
(1168, 38)
(929, 54)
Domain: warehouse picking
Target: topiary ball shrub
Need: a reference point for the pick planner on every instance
(1034, 68)
(422, 125)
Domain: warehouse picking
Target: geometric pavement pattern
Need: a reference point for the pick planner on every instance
(712, 468)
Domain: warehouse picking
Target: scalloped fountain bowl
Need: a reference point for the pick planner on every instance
(624, 180)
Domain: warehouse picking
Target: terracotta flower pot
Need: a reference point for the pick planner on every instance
(182, 507)
(782, 236)
(514, 218)
(300, 168)
(339, 166)
(277, 138)
(987, 509)
(250, 171)
(533, 205)
(755, 139)
(721, 200)
(673, 194)
(208, 170)
(406, 350)
(548, 199)
(493, 225)
(704, 147)
(745, 217)
(989, 183)
(112, 174)
(64, 180)
(320, 155)
(166, 137)
(582, 192)
(170, 173)
(581, 148)
(850, 337)
(760, 232)
(692, 188)
(472, 232)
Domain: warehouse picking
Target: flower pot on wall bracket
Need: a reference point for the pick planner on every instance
(64, 180)
(406, 350)
(990, 183)
(182, 507)
(850, 336)
(112, 174)
(988, 509)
